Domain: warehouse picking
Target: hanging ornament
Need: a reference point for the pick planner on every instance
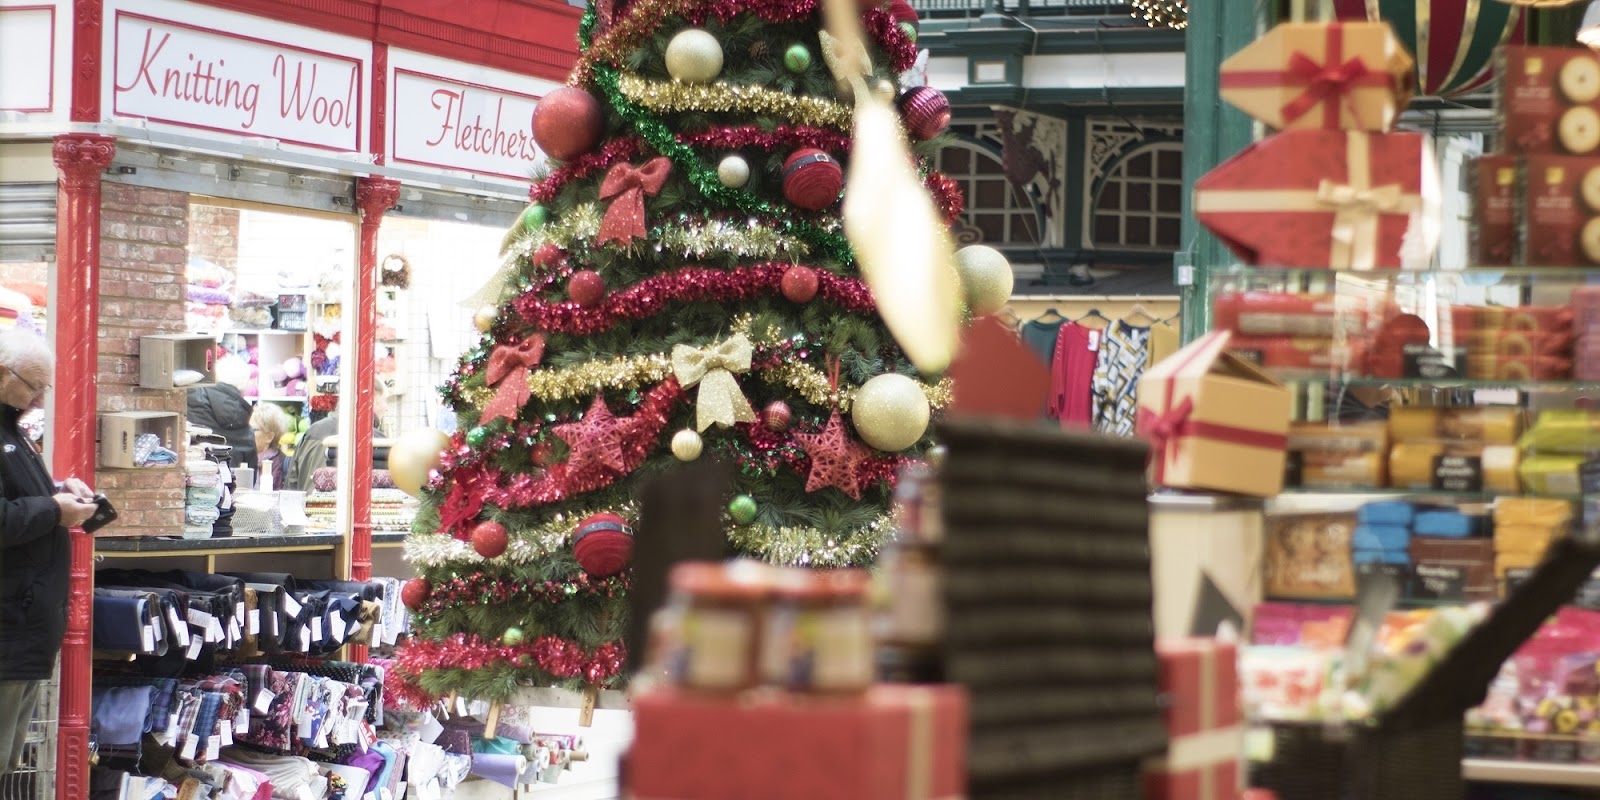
(567, 123)
(549, 255)
(512, 637)
(686, 445)
(1454, 42)
(694, 56)
(905, 15)
(534, 217)
(812, 179)
(541, 455)
(891, 412)
(508, 370)
(483, 319)
(595, 442)
(414, 455)
(909, 29)
(586, 288)
(414, 593)
(743, 509)
(986, 278)
(777, 416)
(477, 437)
(797, 58)
(626, 186)
(926, 111)
(719, 401)
(733, 171)
(799, 284)
(489, 538)
(835, 458)
(603, 543)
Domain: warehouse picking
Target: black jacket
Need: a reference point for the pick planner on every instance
(222, 409)
(34, 559)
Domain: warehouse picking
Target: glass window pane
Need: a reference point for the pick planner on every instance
(1167, 233)
(955, 159)
(1024, 229)
(1107, 230)
(1139, 196)
(1169, 198)
(1170, 164)
(993, 227)
(1110, 197)
(1139, 166)
(990, 194)
(1138, 231)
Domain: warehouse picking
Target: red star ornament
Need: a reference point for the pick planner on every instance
(835, 458)
(595, 441)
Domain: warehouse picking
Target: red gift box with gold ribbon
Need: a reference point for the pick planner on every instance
(1339, 199)
(1336, 75)
(1214, 421)
(893, 742)
(1200, 678)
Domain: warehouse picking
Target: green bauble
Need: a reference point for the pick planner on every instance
(743, 509)
(910, 31)
(534, 217)
(512, 637)
(478, 436)
(797, 58)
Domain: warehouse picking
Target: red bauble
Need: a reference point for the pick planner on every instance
(489, 538)
(603, 543)
(549, 255)
(586, 288)
(414, 593)
(812, 179)
(799, 284)
(777, 416)
(567, 123)
(926, 111)
(901, 11)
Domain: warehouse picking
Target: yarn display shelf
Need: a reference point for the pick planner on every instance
(145, 547)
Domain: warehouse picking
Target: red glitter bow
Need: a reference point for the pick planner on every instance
(1162, 428)
(626, 186)
(508, 357)
(1322, 83)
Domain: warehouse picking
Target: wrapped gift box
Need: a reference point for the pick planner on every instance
(1315, 198)
(1200, 678)
(891, 742)
(1493, 234)
(1561, 211)
(1214, 421)
(1338, 76)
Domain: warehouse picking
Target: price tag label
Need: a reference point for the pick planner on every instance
(241, 723)
(255, 622)
(305, 728)
(1458, 473)
(194, 649)
(316, 629)
(147, 638)
(226, 735)
(190, 744)
(305, 639)
(263, 703)
(1439, 582)
(180, 630)
(290, 605)
(213, 747)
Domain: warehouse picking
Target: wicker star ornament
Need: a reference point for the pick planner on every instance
(835, 458)
(596, 440)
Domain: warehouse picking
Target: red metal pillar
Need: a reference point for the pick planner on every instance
(374, 196)
(80, 160)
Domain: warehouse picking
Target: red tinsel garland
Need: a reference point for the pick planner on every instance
(478, 589)
(400, 691)
(774, 449)
(652, 295)
(560, 658)
(947, 195)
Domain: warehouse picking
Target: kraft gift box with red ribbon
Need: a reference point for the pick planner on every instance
(894, 742)
(1326, 199)
(1214, 421)
(1200, 679)
(1337, 76)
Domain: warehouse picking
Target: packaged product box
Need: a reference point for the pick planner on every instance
(1301, 355)
(1263, 314)
(892, 741)
(1309, 556)
(1452, 569)
(1454, 467)
(1549, 100)
(1493, 233)
(1518, 368)
(1518, 344)
(1337, 75)
(1316, 198)
(1560, 211)
(1214, 421)
(1326, 456)
(1200, 679)
(1484, 425)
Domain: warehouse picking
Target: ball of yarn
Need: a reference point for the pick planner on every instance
(294, 367)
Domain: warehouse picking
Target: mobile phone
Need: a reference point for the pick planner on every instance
(104, 514)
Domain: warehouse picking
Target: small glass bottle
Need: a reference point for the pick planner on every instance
(717, 629)
(819, 639)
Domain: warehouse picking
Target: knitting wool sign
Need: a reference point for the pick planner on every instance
(461, 125)
(217, 81)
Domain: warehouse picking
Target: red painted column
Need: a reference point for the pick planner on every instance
(80, 161)
(374, 197)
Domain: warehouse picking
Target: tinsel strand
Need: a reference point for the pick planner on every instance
(673, 96)
(552, 655)
(479, 589)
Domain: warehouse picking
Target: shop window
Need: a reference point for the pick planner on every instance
(1140, 202)
(998, 212)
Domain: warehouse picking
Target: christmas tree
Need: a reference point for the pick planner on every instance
(680, 288)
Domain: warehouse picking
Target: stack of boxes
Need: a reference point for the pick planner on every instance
(1524, 529)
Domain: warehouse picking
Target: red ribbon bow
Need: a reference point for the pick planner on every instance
(1163, 429)
(626, 186)
(1323, 82)
(507, 358)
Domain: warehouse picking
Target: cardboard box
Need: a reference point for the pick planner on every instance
(1200, 678)
(1314, 198)
(1549, 100)
(891, 742)
(1336, 75)
(162, 356)
(1214, 421)
(120, 429)
(1561, 211)
(1493, 232)
(1308, 556)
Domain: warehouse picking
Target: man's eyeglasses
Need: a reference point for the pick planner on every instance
(28, 383)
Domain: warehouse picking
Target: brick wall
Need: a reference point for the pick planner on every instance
(143, 251)
(214, 235)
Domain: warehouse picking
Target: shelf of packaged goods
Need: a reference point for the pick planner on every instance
(389, 539)
(1391, 493)
(210, 549)
(1478, 275)
(1489, 770)
(1441, 383)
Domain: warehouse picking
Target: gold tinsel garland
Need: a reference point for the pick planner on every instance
(671, 96)
(753, 241)
(813, 547)
(527, 545)
(811, 384)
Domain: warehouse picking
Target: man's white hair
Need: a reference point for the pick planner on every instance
(27, 353)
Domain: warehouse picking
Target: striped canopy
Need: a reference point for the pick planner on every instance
(1454, 41)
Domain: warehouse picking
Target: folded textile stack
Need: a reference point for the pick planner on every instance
(392, 510)
(208, 296)
(202, 496)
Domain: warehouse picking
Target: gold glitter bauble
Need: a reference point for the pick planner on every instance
(694, 56)
(483, 318)
(733, 171)
(986, 278)
(686, 445)
(890, 412)
(413, 456)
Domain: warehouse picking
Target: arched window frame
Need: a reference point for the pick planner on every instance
(1020, 219)
(1152, 230)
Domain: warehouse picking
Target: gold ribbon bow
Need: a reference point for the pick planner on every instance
(719, 400)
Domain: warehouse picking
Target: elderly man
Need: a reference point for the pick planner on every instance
(35, 513)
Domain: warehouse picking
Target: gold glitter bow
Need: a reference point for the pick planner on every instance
(719, 400)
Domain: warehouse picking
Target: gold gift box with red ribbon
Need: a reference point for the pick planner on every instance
(1326, 199)
(1338, 76)
(1200, 679)
(1214, 421)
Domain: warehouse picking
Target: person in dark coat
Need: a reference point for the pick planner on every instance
(34, 556)
(225, 411)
